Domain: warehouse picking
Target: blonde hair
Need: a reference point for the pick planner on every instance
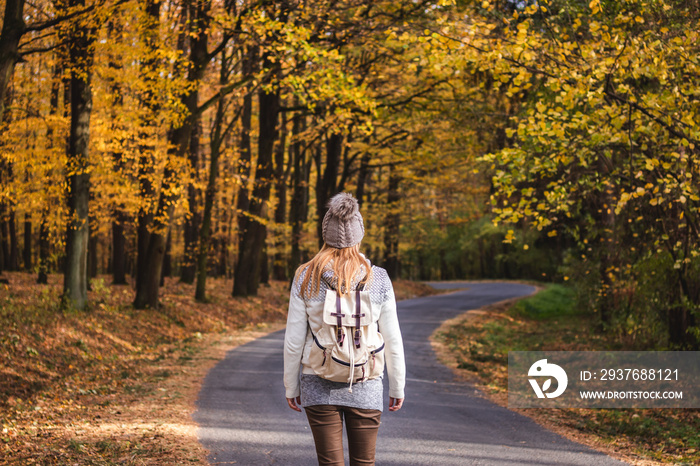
(345, 264)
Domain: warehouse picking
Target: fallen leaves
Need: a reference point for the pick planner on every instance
(113, 384)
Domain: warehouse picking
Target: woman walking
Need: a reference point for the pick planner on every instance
(340, 269)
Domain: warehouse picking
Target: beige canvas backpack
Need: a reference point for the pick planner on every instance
(348, 347)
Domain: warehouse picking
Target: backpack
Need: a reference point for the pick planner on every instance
(348, 347)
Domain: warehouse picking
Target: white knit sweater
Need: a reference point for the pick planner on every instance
(298, 338)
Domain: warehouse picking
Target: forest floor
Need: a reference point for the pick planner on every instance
(476, 344)
(115, 385)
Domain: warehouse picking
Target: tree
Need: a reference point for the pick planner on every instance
(13, 27)
(253, 234)
(604, 149)
(218, 136)
(81, 36)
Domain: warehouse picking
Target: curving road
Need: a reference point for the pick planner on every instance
(244, 418)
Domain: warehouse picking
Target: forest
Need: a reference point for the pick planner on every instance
(550, 140)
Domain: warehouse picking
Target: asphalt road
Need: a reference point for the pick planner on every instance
(244, 418)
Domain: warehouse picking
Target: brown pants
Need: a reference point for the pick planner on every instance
(326, 422)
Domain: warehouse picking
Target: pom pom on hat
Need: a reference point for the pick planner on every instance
(343, 226)
(343, 206)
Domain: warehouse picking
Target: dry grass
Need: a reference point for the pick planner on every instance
(406, 289)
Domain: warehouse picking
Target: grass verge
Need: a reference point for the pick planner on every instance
(115, 385)
(476, 345)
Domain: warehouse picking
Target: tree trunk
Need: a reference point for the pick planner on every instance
(2, 240)
(75, 279)
(167, 270)
(327, 185)
(13, 28)
(2, 254)
(224, 227)
(149, 277)
(393, 218)
(298, 210)
(7, 217)
(14, 247)
(248, 269)
(192, 222)
(608, 244)
(92, 253)
(44, 243)
(679, 322)
(205, 235)
(44, 249)
(151, 271)
(149, 72)
(4, 237)
(217, 138)
(119, 250)
(27, 251)
(362, 177)
(264, 261)
(279, 269)
(120, 218)
(224, 217)
(199, 22)
(347, 162)
(244, 172)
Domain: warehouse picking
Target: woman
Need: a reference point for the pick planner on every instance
(340, 266)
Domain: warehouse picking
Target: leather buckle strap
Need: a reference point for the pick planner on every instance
(357, 316)
(340, 336)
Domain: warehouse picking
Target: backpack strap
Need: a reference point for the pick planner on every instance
(357, 315)
(339, 316)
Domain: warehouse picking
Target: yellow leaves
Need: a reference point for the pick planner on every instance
(594, 5)
(510, 236)
(523, 27)
(651, 163)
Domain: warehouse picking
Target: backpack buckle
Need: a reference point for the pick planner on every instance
(340, 336)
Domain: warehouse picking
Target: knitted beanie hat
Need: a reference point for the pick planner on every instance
(343, 226)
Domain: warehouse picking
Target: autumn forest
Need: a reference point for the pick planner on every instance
(551, 140)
